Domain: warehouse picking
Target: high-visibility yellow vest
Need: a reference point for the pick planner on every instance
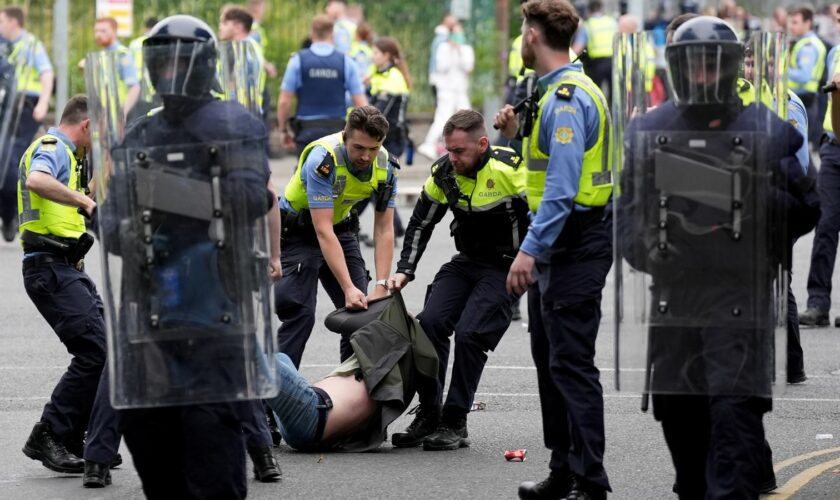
(595, 185)
(827, 120)
(599, 36)
(27, 78)
(390, 81)
(41, 215)
(819, 67)
(347, 188)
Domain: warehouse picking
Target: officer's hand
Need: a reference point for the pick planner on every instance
(275, 269)
(355, 299)
(505, 120)
(271, 69)
(288, 141)
(520, 275)
(40, 112)
(89, 207)
(398, 281)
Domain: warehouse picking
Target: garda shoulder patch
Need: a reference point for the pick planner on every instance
(565, 91)
(507, 156)
(48, 148)
(563, 135)
(324, 169)
(793, 122)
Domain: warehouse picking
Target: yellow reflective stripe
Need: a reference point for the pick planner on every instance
(600, 31)
(603, 113)
(816, 73)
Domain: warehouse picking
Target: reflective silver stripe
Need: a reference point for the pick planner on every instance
(485, 208)
(382, 158)
(537, 165)
(585, 82)
(27, 215)
(415, 242)
(514, 226)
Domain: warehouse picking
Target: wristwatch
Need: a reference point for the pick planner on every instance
(382, 283)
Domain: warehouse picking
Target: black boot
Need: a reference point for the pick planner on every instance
(10, 229)
(266, 469)
(425, 423)
(813, 317)
(451, 434)
(584, 490)
(45, 447)
(96, 475)
(276, 437)
(555, 486)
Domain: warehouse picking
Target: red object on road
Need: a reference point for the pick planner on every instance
(515, 455)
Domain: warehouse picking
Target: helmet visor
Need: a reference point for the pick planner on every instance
(177, 67)
(703, 74)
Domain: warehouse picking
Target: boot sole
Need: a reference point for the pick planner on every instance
(410, 444)
(97, 483)
(462, 443)
(37, 455)
(271, 477)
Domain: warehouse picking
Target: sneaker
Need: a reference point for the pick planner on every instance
(813, 317)
(45, 447)
(429, 151)
(450, 434)
(424, 424)
(555, 486)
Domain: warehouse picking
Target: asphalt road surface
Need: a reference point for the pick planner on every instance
(803, 429)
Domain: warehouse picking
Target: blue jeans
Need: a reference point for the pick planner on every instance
(296, 405)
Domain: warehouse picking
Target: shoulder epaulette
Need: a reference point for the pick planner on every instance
(394, 161)
(49, 140)
(441, 167)
(565, 91)
(507, 156)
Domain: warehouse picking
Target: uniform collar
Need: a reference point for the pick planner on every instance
(546, 80)
(322, 47)
(20, 37)
(58, 133)
(482, 162)
(114, 46)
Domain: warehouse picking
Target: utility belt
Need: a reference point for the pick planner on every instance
(298, 125)
(299, 225)
(501, 260)
(484, 252)
(69, 250)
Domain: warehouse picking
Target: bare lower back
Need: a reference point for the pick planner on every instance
(352, 406)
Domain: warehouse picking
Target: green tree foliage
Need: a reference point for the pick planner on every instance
(287, 24)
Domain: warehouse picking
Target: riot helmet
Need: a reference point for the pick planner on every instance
(180, 54)
(704, 60)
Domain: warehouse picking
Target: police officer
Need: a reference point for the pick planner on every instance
(824, 251)
(566, 254)
(52, 211)
(595, 36)
(34, 83)
(344, 30)
(807, 64)
(708, 336)
(194, 450)
(105, 34)
(320, 229)
(235, 25)
(484, 187)
(319, 76)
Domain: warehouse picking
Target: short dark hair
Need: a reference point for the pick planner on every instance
(369, 120)
(806, 12)
(322, 26)
(14, 12)
(75, 111)
(679, 21)
(239, 15)
(557, 20)
(595, 6)
(110, 21)
(150, 22)
(467, 120)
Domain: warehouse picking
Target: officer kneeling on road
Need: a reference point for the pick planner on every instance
(320, 229)
(484, 187)
(52, 226)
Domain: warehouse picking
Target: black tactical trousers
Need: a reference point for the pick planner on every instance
(68, 300)
(467, 299)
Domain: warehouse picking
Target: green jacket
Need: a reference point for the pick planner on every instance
(392, 352)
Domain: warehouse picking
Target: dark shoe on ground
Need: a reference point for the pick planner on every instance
(813, 317)
(10, 230)
(797, 378)
(96, 475)
(117, 461)
(767, 487)
(423, 425)
(450, 434)
(554, 487)
(266, 469)
(837, 322)
(584, 490)
(45, 447)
